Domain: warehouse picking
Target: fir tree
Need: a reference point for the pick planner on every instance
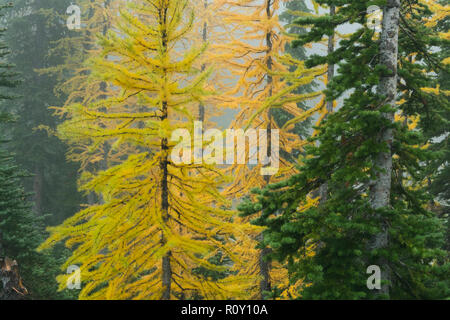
(376, 211)
(33, 29)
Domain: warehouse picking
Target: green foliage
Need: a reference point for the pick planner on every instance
(440, 180)
(21, 232)
(293, 8)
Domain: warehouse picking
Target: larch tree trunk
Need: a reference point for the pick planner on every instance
(166, 265)
(201, 106)
(264, 264)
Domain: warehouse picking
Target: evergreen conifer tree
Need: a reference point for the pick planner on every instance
(33, 29)
(20, 230)
(376, 211)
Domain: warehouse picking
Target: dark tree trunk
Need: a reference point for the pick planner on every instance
(11, 287)
(163, 165)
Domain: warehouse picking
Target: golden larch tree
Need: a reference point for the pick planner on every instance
(160, 220)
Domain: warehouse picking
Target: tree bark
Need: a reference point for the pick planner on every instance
(330, 71)
(323, 189)
(381, 188)
(201, 106)
(11, 287)
(264, 269)
(166, 266)
(264, 264)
